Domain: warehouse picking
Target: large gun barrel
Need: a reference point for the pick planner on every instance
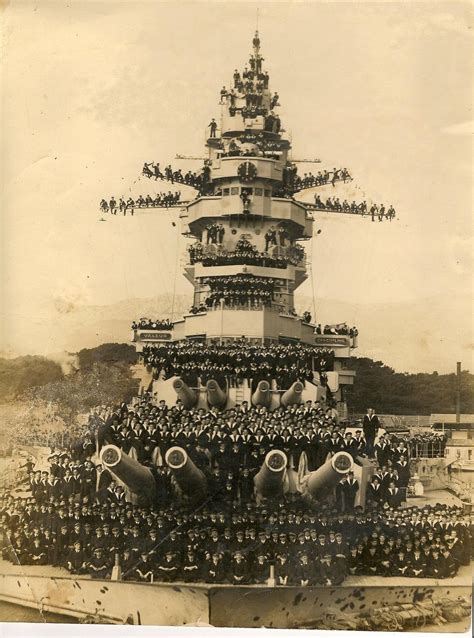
(329, 474)
(262, 394)
(216, 397)
(138, 478)
(293, 394)
(188, 397)
(190, 478)
(272, 479)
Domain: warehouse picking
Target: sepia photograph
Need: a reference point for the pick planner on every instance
(236, 381)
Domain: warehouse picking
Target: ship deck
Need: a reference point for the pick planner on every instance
(462, 579)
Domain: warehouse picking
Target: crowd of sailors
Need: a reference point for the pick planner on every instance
(198, 180)
(249, 96)
(78, 518)
(293, 183)
(245, 257)
(215, 233)
(337, 329)
(239, 290)
(275, 235)
(333, 204)
(233, 546)
(233, 362)
(152, 324)
(260, 147)
(244, 253)
(161, 200)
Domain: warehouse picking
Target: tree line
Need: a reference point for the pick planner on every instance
(390, 392)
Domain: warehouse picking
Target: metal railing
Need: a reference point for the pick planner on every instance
(247, 306)
(427, 449)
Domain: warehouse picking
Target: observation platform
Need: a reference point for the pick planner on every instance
(227, 167)
(235, 321)
(263, 208)
(261, 323)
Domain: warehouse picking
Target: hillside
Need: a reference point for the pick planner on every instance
(25, 377)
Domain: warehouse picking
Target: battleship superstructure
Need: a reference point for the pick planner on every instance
(247, 227)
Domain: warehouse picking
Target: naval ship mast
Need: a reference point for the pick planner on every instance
(246, 223)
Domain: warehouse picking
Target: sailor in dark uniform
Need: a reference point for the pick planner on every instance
(371, 560)
(36, 554)
(127, 564)
(213, 128)
(456, 547)
(260, 568)
(214, 570)
(434, 564)
(146, 169)
(282, 569)
(370, 427)
(330, 572)
(385, 560)
(350, 490)
(99, 565)
(374, 491)
(382, 451)
(302, 571)
(167, 568)
(144, 568)
(354, 562)
(62, 545)
(238, 569)
(76, 560)
(448, 567)
(417, 565)
(190, 570)
(400, 564)
(403, 469)
(256, 41)
(393, 496)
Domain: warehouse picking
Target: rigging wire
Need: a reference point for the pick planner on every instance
(312, 280)
(175, 273)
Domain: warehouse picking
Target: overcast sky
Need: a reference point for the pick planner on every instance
(91, 90)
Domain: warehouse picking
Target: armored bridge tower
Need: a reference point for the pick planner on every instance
(246, 257)
(244, 227)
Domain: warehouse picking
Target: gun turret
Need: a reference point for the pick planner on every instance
(322, 480)
(216, 397)
(293, 394)
(188, 397)
(262, 394)
(190, 478)
(138, 478)
(271, 481)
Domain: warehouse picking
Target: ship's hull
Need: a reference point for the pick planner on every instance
(180, 604)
